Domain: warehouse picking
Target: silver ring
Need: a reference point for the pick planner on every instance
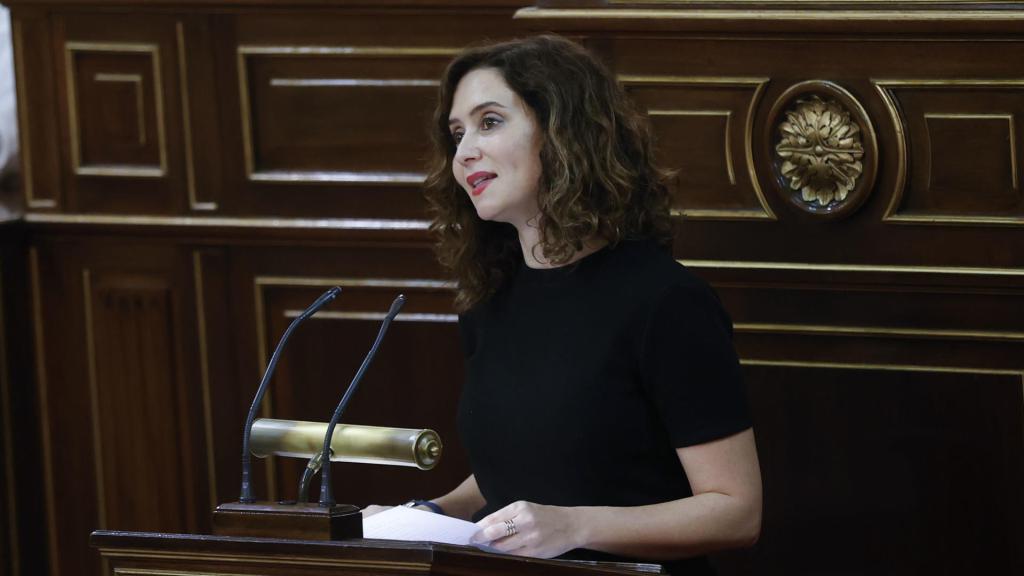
(510, 528)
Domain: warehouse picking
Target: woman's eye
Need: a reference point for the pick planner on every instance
(457, 137)
(489, 122)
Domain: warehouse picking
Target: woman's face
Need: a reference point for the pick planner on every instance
(497, 159)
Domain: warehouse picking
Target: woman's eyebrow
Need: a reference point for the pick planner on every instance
(476, 109)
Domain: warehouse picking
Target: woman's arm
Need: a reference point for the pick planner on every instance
(463, 501)
(724, 512)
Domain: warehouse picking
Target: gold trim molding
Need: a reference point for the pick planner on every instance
(186, 122)
(153, 50)
(878, 332)
(882, 367)
(310, 282)
(229, 222)
(758, 84)
(1012, 134)
(140, 104)
(871, 268)
(24, 129)
(261, 559)
(885, 88)
(327, 176)
(94, 399)
(204, 375)
(372, 316)
(792, 14)
(44, 409)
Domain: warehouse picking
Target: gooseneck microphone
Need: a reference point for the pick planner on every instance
(246, 496)
(326, 499)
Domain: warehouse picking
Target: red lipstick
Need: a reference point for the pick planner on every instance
(478, 181)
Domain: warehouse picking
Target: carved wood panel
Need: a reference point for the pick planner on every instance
(702, 128)
(126, 147)
(121, 409)
(963, 145)
(329, 116)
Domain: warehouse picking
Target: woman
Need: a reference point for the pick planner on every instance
(603, 410)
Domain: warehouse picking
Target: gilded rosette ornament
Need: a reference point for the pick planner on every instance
(821, 151)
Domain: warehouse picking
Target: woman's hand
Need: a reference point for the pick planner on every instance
(374, 509)
(540, 531)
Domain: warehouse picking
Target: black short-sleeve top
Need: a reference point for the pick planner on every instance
(582, 381)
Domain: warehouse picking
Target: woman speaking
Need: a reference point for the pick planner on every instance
(603, 409)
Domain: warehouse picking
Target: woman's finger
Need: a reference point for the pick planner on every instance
(374, 509)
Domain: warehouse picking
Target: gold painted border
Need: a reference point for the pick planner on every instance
(885, 89)
(1013, 138)
(883, 367)
(72, 99)
(186, 117)
(411, 317)
(829, 267)
(140, 101)
(260, 559)
(314, 282)
(44, 409)
(204, 375)
(792, 14)
(94, 398)
(878, 331)
(229, 222)
(346, 82)
(5, 411)
(323, 176)
(267, 408)
(150, 572)
(758, 84)
(23, 122)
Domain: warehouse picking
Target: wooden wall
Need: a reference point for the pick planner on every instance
(196, 175)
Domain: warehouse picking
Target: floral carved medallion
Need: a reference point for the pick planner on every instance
(821, 151)
(824, 149)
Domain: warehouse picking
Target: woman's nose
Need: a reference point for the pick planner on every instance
(467, 150)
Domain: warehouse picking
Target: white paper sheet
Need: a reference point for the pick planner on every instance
(401, 523)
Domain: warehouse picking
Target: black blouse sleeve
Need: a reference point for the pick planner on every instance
(690, 369)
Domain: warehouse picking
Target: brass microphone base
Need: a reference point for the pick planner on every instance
(298, 521)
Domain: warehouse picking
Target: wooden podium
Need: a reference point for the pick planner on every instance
(161, 553)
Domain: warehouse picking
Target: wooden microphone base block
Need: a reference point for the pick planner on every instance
(299, 521)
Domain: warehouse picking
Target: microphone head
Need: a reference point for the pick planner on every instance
(331, 294)
(396, 306)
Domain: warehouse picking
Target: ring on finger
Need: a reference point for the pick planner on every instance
(510, 528)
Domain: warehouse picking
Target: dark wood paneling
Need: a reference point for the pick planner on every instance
(964, 151)
(364, 154)
(123, 410)
(121, 113)
(138, 403)
(901, 472)
(37, 110)
(702, 130)
(883, 355)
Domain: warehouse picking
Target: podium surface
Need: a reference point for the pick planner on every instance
(163, 553)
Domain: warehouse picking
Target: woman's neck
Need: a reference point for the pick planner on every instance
(533, 255)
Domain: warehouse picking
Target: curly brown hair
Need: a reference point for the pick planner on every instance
(599, 179)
